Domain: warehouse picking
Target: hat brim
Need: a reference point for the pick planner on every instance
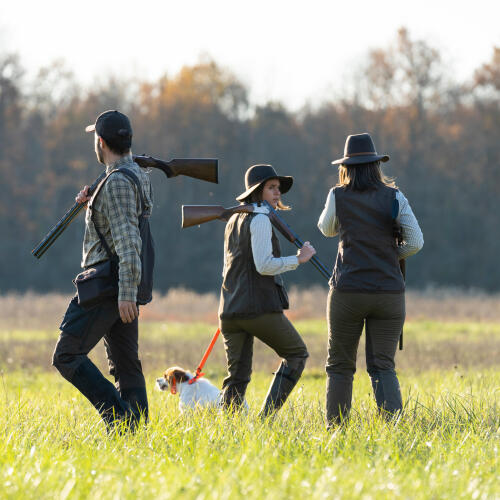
(359, 160)
(285, 186)
(90, 128)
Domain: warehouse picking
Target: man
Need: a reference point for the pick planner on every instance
(114, 224)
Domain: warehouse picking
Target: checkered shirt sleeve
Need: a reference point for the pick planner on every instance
(413, 239)
(120, 208)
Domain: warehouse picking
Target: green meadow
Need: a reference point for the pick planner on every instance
(444, 445)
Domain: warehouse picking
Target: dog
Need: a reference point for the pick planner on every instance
(200, 393)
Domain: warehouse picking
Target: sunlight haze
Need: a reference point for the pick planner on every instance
(289, 51)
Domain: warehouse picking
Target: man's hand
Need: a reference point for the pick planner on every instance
(305, 253)
(82, 196)
(128, 310)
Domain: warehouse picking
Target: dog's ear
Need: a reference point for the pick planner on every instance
(180, 376)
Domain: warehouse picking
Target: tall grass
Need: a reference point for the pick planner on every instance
(445, 445)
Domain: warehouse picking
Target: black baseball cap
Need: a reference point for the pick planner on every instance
(113, 126)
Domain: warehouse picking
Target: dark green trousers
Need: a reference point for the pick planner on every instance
(383, 315)
(276, 331)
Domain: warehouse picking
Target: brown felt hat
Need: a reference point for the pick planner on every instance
(258, 174)
(359, 149)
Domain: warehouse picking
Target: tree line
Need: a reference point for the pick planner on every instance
(441, 134)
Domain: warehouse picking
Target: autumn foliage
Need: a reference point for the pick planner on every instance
(441, 134)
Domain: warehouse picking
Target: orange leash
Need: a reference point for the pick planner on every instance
(204, 359)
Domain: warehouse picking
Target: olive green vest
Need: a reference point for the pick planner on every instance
(367, 258)
(245, 293)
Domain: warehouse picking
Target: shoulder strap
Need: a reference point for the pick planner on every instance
(396, 225)
(90, 207)
(130, 175)
(137, 183)
(98, 189)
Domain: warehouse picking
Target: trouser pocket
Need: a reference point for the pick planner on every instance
(76, 319)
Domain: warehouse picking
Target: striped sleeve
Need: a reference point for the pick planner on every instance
(262, 249)
(413, 239)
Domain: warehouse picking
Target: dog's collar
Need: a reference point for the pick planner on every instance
(173, 386)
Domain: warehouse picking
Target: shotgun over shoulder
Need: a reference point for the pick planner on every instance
(194, 215)
(204, 169)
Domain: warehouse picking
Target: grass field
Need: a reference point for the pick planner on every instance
(445, 445)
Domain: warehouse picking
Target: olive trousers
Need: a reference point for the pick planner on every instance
(382, 315)
(276, 331)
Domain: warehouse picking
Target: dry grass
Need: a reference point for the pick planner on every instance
(32, 310)
(438, 304)
(445, 329)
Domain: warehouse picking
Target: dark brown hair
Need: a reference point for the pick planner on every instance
(119, 146)
(363, 177)
(256, 196)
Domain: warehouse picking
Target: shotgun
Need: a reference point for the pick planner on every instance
(193, 215)
(398, 235)
(205, 169)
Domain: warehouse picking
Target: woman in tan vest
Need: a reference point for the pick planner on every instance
(253, 295)
(367, 286)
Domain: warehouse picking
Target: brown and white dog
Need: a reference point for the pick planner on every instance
(200, 393)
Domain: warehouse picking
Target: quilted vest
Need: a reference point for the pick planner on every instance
(245, 293)
(367, 258)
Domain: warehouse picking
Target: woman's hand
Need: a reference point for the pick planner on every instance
(305, 253)
(82, 196)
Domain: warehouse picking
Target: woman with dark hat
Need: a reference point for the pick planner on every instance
(253, 296)
(367, 286)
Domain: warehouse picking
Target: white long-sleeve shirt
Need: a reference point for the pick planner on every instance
(413, 239)
(262, 249)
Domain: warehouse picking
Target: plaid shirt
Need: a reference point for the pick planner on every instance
(116, 211)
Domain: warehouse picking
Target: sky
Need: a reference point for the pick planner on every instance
(296, 52)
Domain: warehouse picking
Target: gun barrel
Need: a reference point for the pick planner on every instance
(63, 223)
(57, 230)
(314, 261)
(290, 235)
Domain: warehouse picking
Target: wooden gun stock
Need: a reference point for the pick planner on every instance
(194, 215)
(205, 169)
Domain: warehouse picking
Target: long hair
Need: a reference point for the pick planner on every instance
(256, 196)
(363, 177)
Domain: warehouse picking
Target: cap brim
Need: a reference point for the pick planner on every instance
(359, 160)
(286, 183)
(90, 128)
